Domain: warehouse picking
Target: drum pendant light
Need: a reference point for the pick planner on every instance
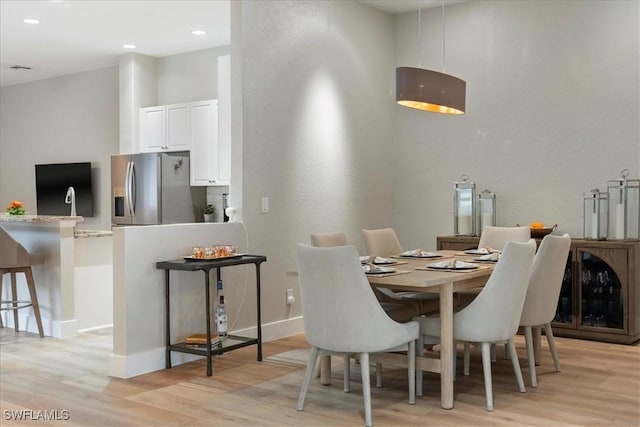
(430, 90)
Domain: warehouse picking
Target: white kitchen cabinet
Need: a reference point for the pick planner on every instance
(210, 162)
(165, 128)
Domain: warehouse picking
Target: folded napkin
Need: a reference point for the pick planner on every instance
(369, 268)
(451, 263)
(483, 250)
(377, 260)
(494, 256)
(419, 253)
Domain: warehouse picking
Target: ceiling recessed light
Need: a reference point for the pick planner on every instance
(198, 32)
(129, 46)
(31, 21)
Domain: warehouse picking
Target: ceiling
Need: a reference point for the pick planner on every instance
(81, 35)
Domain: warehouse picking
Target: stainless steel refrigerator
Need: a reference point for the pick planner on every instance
(154, 188)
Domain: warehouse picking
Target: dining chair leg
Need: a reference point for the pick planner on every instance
(307, 377)
(486, 369)
(552, 346)
(454, 355)
(528, 339)
(379, 375)
(467, 357)
(516, 365)
(347, 372)
(366, 388)
(420, 347)
(493, 352)
(317, 372)
(411, 363)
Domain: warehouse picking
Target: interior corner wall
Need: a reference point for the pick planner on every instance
(189, 77)
(318, 94)
(553, 94)
(72, 118)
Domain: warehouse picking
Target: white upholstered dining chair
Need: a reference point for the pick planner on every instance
(493, 316)
(496, 237)
(384, 242)
(398, 309)
(342, 315)
(326, 240)
(543, 291)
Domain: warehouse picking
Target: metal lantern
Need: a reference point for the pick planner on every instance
(486, 209)
(624, 208)
(464, 207)
(595, 215)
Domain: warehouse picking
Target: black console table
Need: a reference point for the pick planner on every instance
(231, 342)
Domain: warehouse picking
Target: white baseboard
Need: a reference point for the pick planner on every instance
(95, 328)
(50, 328)
(63, 328)
(128, 366)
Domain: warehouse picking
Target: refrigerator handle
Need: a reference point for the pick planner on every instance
(128, 189)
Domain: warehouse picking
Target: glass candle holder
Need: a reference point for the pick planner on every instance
(486, 210)
(464, 207)
(595, 215)
(624, 208)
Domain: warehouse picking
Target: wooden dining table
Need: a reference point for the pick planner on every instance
(412, 275)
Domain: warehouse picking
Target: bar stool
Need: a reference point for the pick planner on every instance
(14, 258)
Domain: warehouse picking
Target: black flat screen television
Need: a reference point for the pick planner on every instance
(53, 182)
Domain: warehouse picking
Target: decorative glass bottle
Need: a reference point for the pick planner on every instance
(486, 210)
(464, 207)
(595, 215)
(624, 208)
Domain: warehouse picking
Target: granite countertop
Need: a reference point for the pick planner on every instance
(92, 233)
(38, 218)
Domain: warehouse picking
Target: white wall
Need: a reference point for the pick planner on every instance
(139, 292)
(189, 77)
(317, 128)
(66, 119)
(553, 93)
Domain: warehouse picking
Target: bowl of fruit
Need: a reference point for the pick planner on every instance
(538, 230)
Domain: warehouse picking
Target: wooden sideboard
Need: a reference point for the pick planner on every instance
(600, 295)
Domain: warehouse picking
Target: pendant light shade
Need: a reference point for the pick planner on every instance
(430, 90)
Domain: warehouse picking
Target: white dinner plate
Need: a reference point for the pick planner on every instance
(488, 258)
(377, 270)
(482, 251)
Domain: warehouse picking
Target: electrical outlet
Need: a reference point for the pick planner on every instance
(289, 298)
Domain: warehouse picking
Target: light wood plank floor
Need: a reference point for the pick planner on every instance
(599, 386)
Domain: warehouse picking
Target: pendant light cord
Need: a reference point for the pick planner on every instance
(420, 42)
(444, 67)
